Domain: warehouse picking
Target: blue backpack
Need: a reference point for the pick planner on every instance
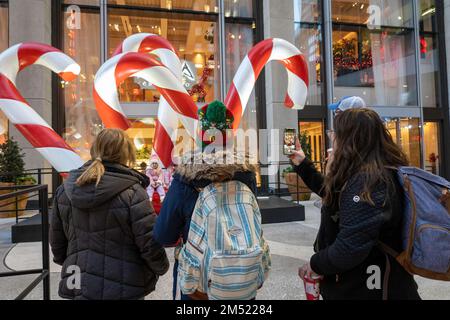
(426, 224)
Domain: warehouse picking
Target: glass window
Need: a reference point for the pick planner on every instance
(238, 8)
(374, 52)
(308, 38)
(429, 55)
(208, 6)
(142, 132)
(307, 11)
(193, 36)
(406, 132)
(373, 13)
(4, 43)
(432, 142)
(428, 17)
(239, 41)
(83, 2)
(315, 133)
(83, 45)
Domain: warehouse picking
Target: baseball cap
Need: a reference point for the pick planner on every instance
(349, 102)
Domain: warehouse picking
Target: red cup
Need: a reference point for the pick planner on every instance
(312, 288)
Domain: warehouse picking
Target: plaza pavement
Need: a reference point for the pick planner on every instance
(290, 244)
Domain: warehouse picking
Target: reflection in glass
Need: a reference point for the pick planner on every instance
(308, 38)
(238, 8)
(207, 6)
(4, 39)
(307, 11)
(429, 55)
(373, 13)
(239, 41)
(431, 140)
(142, 132)
(196, 43)
(82, 120)
(428, 18)
(406, 132)
(314, 131)
(83, 2)
(379, 66)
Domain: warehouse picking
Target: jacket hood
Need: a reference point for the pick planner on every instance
(210, 168)
(116, 179)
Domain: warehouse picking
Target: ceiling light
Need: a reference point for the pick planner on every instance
(429, 11)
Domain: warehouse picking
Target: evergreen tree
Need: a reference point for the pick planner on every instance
(12, 165)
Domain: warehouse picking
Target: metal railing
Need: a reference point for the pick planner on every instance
(44, 272)
(280, 187)
(39, 176)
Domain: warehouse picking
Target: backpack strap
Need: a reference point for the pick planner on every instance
(387, 249)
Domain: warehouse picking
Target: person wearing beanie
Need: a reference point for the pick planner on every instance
(195, 172)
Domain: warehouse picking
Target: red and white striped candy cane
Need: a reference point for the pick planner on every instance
(35, 129)
(125, 65)
(166, 132)
(112, 114)
(244, 81)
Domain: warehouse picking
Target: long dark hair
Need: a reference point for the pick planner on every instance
(363, 145)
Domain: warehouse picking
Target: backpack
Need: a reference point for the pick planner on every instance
(426, 224)
(225, 256)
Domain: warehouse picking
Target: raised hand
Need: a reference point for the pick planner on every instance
(298, 156)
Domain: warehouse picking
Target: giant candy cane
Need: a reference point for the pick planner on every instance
(251, 67)
(166, 132)
(35, 129)
(126, 65)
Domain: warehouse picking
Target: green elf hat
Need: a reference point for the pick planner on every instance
(215, 116)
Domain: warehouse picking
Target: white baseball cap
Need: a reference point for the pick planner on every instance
(347, 103)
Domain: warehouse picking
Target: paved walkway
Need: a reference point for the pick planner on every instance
(290, 244)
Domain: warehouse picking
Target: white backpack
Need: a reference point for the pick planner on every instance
(226, 256)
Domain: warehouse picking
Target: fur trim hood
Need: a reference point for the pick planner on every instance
(217, 167)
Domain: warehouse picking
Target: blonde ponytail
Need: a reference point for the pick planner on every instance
(111, 145)
(93, 173)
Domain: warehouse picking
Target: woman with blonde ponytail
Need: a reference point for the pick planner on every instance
(102, 224)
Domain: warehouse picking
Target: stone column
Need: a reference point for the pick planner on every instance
(30, 20)
(278, 23)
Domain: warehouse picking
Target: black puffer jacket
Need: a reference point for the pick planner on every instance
(347, 243)
(106, 231)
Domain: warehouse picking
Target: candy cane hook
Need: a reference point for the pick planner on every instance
(264, 52)
(166, 131)
(125, 65)
(35, 129)
(111, 112)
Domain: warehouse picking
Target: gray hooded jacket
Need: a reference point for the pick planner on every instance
(106, 232)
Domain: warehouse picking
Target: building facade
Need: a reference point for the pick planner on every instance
(392, 53)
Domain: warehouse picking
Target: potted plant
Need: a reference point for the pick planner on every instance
(297, 188)
(12, 173)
